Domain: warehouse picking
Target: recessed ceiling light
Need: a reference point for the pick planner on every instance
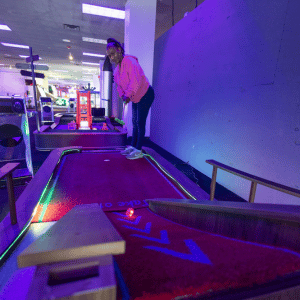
(89, 63)
(103, 11)
(67, 41)
(4, 27)
(15, 45)
(91, 40)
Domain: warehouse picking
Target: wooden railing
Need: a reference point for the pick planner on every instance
(6, 171)
(254, 181)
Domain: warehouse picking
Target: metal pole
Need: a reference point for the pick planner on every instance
(34, 92)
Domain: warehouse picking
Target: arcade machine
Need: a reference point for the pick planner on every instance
(84, 110)
(47, 114)
(72, 105)
(15, 136)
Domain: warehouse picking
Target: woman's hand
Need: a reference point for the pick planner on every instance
(125, 99)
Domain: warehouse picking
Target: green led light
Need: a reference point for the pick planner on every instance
(26, 127)
(45, 204)
(170, 176)
(15, 240)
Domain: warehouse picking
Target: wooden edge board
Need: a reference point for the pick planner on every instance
(8, 168)
(289, 213)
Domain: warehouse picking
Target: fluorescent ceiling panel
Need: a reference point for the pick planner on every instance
(89, 63)
(67, 41)
(93, 54)
(91, 40)
(4, 27)
(25, 56)
(103, 11)
(15, 45)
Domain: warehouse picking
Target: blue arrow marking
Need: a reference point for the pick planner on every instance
(135, 222)
(122, 215)
(163, 237)
(146, 230)
(196, 254)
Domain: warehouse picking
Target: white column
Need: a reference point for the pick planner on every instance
(139, 41)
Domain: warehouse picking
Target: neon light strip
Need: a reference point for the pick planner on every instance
(48, 199)
(49, 196)
(174, 186)
(16, 240)
(170, 176)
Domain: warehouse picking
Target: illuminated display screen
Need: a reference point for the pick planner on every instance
(83, 100)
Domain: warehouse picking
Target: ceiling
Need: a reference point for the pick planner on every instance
(40, 24)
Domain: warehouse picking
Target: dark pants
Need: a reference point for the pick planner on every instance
(139, 116)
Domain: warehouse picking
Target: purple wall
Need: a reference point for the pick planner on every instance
(11, 82)
(227, 83)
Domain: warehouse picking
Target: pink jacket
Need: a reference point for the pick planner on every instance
(130, 79)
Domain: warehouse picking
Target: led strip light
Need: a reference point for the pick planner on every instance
(170, 176)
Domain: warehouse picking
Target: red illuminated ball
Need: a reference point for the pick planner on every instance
(129, 212)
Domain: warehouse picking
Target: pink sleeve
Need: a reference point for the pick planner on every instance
(120, 91)
(135, 74)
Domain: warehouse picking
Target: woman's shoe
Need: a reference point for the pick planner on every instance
(127, 151)
(135, 154)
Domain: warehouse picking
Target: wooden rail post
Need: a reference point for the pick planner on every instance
(252, 191)
(12, 199)
(6, 171)
(213, 183)
(254, 181)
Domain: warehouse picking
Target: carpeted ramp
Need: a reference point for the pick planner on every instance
(164, 260)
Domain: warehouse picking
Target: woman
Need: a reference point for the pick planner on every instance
(132, 85)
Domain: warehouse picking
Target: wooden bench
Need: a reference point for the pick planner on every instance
(6, 171)
(254, 181)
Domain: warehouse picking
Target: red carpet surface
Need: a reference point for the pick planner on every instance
(164, 260)
(108, 179)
